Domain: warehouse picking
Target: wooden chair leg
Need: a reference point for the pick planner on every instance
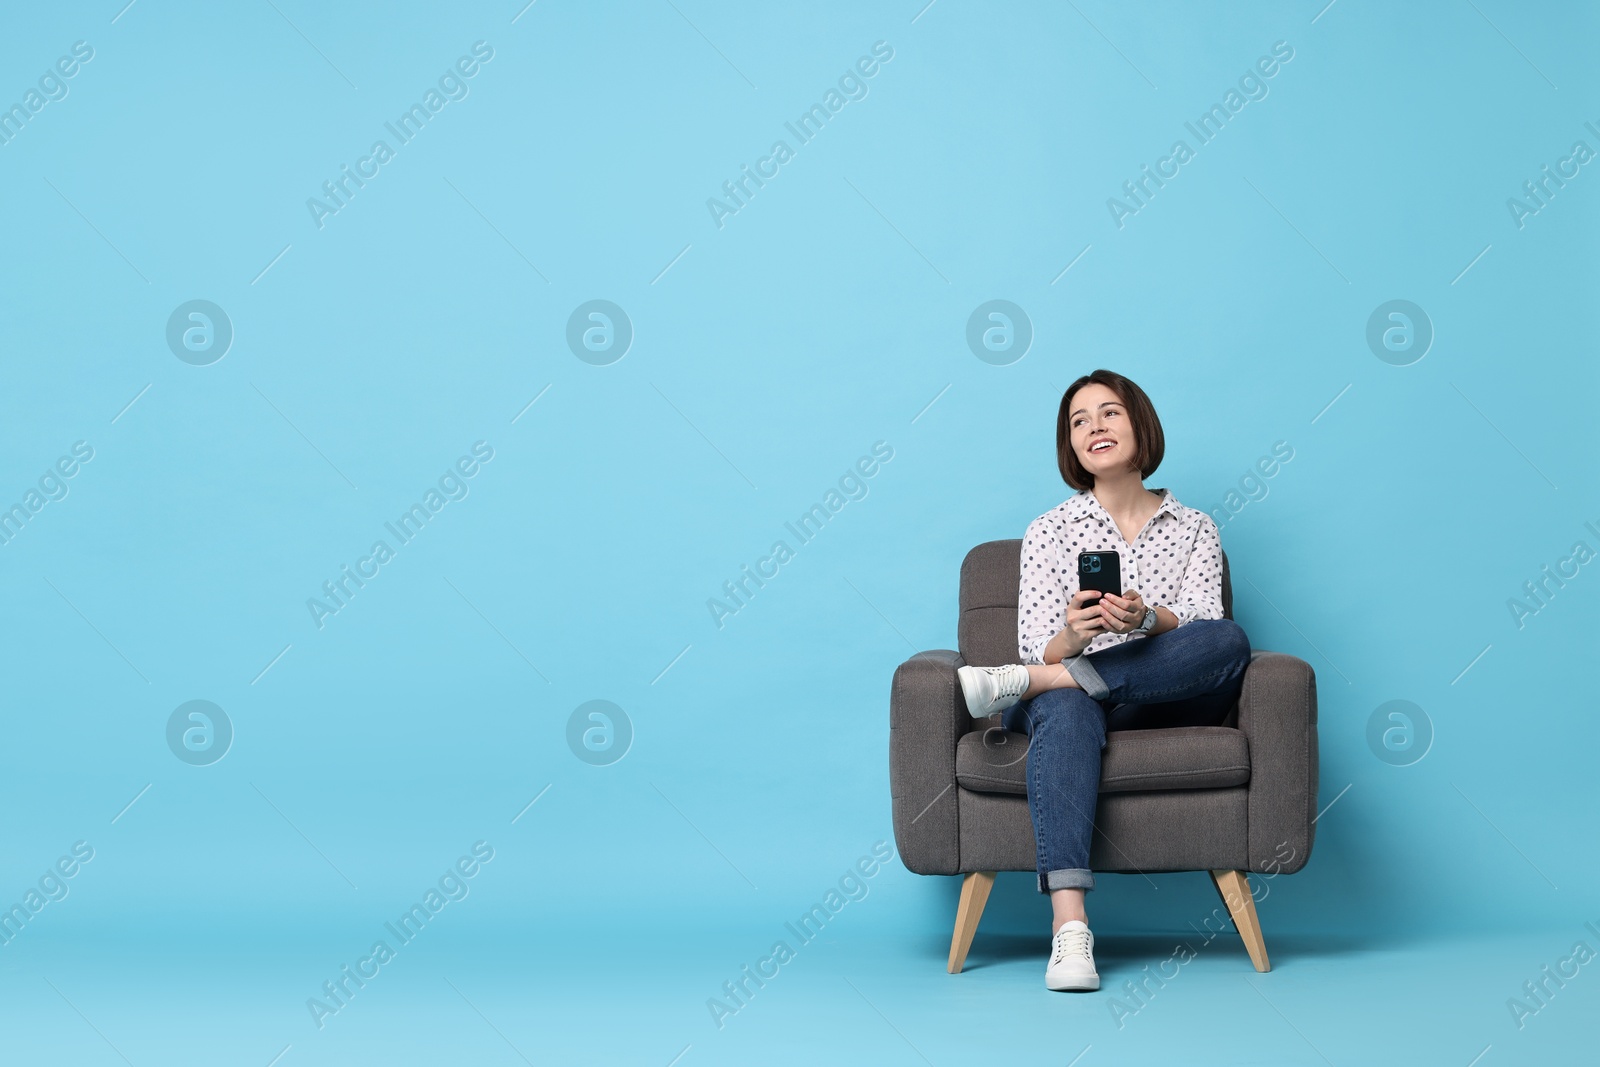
(974, 895)
(1234, 886)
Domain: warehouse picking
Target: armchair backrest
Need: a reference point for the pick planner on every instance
(986, 632)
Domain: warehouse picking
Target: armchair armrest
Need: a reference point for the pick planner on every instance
(1278, 715)
(927, 716)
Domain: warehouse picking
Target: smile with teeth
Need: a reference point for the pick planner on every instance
(1097, 446)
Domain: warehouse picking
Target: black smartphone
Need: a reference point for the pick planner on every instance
(1101, 571)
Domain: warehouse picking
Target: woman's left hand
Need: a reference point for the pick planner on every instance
(1124, 613)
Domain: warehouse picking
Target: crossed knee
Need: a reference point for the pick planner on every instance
(1063, 701)
(1067, 707)
(1227, 636)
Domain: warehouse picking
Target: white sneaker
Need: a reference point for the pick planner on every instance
(1072, 959)
(992, 689)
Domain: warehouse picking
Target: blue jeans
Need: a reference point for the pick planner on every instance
(1188, 676)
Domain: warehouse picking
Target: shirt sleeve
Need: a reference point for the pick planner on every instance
(1200, 592)
(1041, 597)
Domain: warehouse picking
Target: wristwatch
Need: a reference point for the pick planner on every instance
(1149, 622)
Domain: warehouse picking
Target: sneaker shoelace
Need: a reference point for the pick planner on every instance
(1012, 683)
(1075, 943)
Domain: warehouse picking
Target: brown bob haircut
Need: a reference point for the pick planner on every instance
(1150, 442)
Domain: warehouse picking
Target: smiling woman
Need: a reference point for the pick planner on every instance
(1163, 653)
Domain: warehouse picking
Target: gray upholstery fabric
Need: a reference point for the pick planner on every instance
(927, 715)
(1191, 810)
(1278, 716)
(1196, 830)
(992, 760)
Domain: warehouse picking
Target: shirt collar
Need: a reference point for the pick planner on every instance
(1083, 505)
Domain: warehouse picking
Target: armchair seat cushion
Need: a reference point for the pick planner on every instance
(993, 760)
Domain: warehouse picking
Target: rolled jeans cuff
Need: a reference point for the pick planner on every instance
(1067, 878)
(1086, 676)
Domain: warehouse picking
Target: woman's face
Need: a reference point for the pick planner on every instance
(1097, 417)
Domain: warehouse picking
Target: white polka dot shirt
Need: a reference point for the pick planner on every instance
(1175, 562)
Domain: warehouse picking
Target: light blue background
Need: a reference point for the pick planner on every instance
(769, 355)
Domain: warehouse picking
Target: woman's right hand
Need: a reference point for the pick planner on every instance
(1085, 621)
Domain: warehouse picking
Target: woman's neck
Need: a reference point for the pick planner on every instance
(1121, 496)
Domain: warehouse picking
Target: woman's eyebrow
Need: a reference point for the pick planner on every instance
(1103, 403)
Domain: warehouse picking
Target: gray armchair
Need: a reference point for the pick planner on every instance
(1225, 799)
